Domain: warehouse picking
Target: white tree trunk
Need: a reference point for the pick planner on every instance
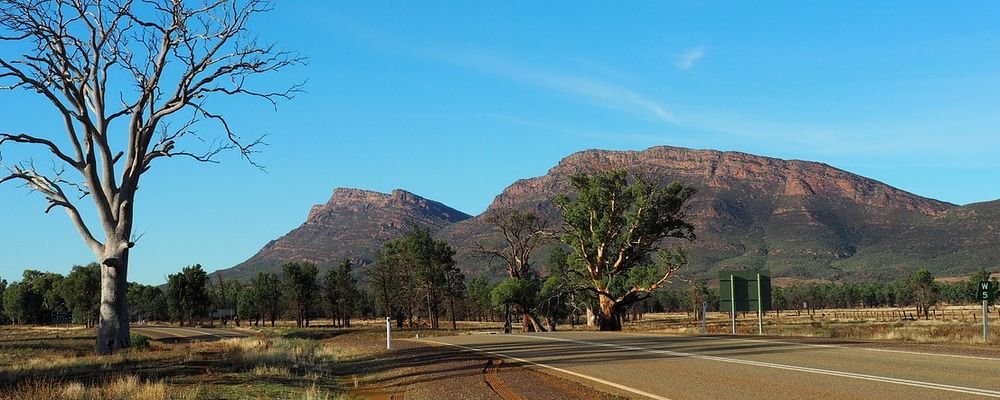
(112, 329)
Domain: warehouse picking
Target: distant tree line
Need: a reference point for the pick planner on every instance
(48, 297)
(415, 282)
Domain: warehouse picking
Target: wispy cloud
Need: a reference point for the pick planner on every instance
(691, 57)
(601, 93)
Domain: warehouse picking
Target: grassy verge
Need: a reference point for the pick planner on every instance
(50, 363)
(831, 324)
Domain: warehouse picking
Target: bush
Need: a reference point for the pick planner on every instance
(138, 341)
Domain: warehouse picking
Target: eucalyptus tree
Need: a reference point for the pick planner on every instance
(522, 232)
(615, 228)
(301, 289)
(129, 81)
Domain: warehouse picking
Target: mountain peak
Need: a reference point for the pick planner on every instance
(731, 170)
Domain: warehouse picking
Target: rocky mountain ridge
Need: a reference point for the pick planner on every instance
(798, 218)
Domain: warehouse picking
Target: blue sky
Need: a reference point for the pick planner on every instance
(456, 101)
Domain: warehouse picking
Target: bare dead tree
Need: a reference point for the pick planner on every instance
(129, 79)
(522, 232)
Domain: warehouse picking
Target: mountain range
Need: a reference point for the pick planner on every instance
(800, 219)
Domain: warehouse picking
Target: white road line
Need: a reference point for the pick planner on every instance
(884, 379)
(158, 330)
(576, 374)
(835, 346)
(831, 346)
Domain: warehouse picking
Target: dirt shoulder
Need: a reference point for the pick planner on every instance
(415, 370)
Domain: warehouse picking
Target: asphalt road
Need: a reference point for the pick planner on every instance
(183, 334)
(667, 367)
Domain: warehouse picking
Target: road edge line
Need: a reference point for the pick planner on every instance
(557, 369)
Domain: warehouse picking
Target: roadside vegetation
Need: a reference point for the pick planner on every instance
(280, 363)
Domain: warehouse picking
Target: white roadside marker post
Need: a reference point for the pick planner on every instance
(388, 333)
(732, 292)
(760, 309)
(986, 321)
(704, 317)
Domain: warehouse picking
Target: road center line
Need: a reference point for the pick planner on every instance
(884, 379)
(835, 346)
(576, 374)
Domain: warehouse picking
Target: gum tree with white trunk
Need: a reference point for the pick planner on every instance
(616, 226)
(128, 80)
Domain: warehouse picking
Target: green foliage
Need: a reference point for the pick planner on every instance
(187, 297)
(613, 227)
(81, 291)
(553, 300)
(267, 297)
(138, 341)
(558, 263)
(300, 289)
(147, 303)
(341, 293)
(21, 304)
(415, 269)
(34, 298)
(519, 292)
(478, 301)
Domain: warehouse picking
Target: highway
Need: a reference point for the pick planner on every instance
(650, 366)
(183, 334)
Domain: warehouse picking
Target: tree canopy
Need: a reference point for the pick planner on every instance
(614, 227)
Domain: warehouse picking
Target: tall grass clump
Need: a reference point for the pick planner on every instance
(250, 353)
(127, 387)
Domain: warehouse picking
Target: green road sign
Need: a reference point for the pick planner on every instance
(747, 290)
(986, 291)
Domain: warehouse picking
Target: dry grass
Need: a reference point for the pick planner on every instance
(954, 325)
(127, 387)
(58, 363)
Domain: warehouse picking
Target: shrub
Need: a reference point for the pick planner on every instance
(138, 341)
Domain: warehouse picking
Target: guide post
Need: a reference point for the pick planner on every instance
(986, 292)
(388, 333)
(704, 317)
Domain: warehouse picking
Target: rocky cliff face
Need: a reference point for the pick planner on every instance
(800, 218)
(352, 224)
(716, 170)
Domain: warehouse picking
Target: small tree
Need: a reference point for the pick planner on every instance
(187, 296)
(522, 233)
(341, 293)
(247, 308)
(301, 289)
(922, 290)
(391, 281)
(514, 293)
(614, 227)
(267, 291)
(82, 292)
